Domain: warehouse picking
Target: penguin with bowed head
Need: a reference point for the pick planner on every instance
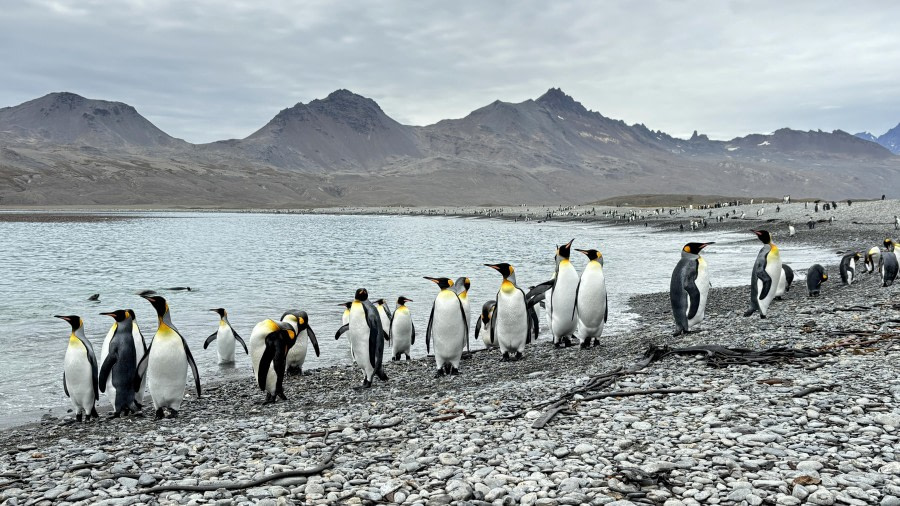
(765, 275)
(166, 363)
(872, 260)
(888, 264)
(305, 336)
(848, 267)
(80, 371)
(448, 326)
(366, 336)
(269, 345)
(689, 288)
(225, 337)
(119, 368)
(815, 276)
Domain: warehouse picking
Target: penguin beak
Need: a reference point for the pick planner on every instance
(66, 318)
(569, 244)
(706, 244)
(433, 280)
(495, 267)
(109, 314)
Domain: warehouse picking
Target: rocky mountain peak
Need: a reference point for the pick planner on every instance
(556, 99)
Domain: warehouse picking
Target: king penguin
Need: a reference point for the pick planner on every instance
(270, 342)
(461, 287)
(815, 276)
(590, 299)
(510, 324)
(785, 281)
(140, 349)
(563, 298)
(483, 324)
(166, 363)
(848, 267)
(448, 327)
(305, 336)
(872, 261)
(119, 368)
(384, 313)
(689, 288)
(765, 275)
(365, 332)
(345, 319)
(403, 332)
(225, 338)
(80, 371)
(888, 265)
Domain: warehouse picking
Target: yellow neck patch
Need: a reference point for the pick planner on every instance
(507, 286)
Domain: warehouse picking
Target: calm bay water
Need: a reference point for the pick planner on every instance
(257, 265)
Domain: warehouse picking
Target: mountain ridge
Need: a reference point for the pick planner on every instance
(889, 139)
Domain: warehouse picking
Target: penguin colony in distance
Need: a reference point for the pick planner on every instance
(577, 308)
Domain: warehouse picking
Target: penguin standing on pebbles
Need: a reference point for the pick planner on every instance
(689, 288)
(815, 276)
(296, 355)
(225, 338)
(461, 287)
(590, 299)
(384, 313)
(80, 371)
(366, 337)
(483, 324)
(872, 260)
(510, 324)
(888, 266)
(119, 368)
(848, 267)
(785, 281)
(269, 345)
(403, 332)
(764, 278)
(563, 298)
(448, 326)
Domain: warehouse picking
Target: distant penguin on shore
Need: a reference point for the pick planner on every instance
(791, 230)
(815, 276)
(80, 371)
(765, 275)
(403, 331)
(448, 327)
(785, 281)
(689, 288)
(365, 332)
(225, 337)
(848, 267)
(888, 266)
(592, 306)
(510, 324)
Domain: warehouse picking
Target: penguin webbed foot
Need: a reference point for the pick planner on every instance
(78, 417)
(586, 343)
(749, 312)
(269, 399)
(94, 413)
(173, 413)
(395, 358)
(295, 370)
(454, 371)
(408, 357)
(381, 375)
(518, 356)
(160, 414)
(505, 357)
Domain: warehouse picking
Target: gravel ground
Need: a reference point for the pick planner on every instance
(747, 437)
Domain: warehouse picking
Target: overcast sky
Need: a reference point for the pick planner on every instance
(208, 70)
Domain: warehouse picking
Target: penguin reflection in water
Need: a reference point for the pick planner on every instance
(166, 363)
(689, 288)
(448, 325)
(366, 335)
(765, 276)
(80, 371)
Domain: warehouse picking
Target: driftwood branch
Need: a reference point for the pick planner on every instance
(631, 393)
(812, 390)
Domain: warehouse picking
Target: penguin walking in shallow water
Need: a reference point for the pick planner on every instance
(403, 332)
(689, 288)
(270, 342)
(80, 371)
(305, 336)
(764, 278)
(384, 314)
(785, 281)
(225, 338)
(815, 276)
(166, 363)
(448, 327)
(119, 368)
(590, 299)
(888, 264)
(483, 324)
(848, 267)
(872, 260)
(510, 324)
(366, 336)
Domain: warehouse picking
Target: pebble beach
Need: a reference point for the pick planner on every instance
(823, 429)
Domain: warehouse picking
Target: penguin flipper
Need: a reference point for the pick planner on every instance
(428, 331)
(313, 339)
(693, 299)
(465, 319)
(534, 323)
(240, 339)
(94, 370)
(65, 387)
(375, 334)
(766, 283)
(190, 361)
(107, 367)
(141, 369)
(478, 327)
(575, 306)
(344, 328)
(266, 360)
(210, 339)
(494, 318)
(140, 334)
(539, 289)
(413, 338)
(605, 309)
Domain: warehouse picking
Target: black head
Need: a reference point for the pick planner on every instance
(592, 254)
(464, 282)
(347, 304)
(503, 268)
(763, 236)
(361, 294)
(74, 320)
(565, 250)
(695, 247)
(857, 255)
(443, 283)
(220, 311)
(401, 300)
(159, 303)
(380, 302)
(120, 314)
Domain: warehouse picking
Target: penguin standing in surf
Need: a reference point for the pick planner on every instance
(80, 371)
(448, 326)
(166, 363)
(483, 325)
(590, 299)
(815, 276)
(848, 267)
(270, 342)
(785, 281)
(764, 278)
(403, 332)
(366, 336)
(296, 355)
(119, 368)
(225, 338)
(689, 288)
(888, 264)
(510, 324)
